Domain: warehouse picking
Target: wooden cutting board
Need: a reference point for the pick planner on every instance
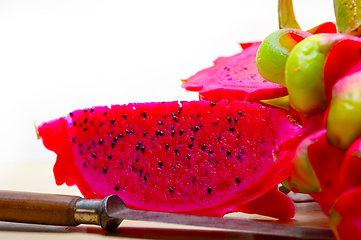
(36, 176)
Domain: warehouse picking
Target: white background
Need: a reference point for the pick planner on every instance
(58, 56)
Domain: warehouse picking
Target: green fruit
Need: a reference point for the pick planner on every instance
(304, 73)
(272, 54)
(344, 118)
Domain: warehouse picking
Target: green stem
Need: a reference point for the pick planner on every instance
(286, 15)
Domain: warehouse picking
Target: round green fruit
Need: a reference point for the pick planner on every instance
(272, 54)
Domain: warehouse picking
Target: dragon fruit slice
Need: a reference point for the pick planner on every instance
(199, 158)
(234, 78)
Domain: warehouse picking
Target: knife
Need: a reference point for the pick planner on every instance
(65, 210)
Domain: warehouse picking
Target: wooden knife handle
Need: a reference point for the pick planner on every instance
(38, 208)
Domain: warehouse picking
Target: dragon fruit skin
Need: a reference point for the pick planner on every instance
(345, 215)
(234, 78)
(152, 167)
(351, 166)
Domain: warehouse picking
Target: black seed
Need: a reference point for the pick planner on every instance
(171, 190)
(190, 145)
(192, 138)
(144, 115)
(255, 168)
(231, 129)
(238, 180)
(196, 129)
(116, 188)
(238, 157)
(101, 141)
(235, 120)
(74, 123)
(198, 115)
(167, 146)
(127, 131)
(179, 111)
(131, 131)
(145, 177)
(80, 145)
(240, 113)
(203, 147)
(71, 114)
(136, 159)
(133, 167)
(94, 155)
(124, 116)
(140, 171)
(112, 121)
(189, 156)
(104, 114)
(88, 148)
(112, 145)
(73, 140)
(229, 119)
(91, 122)
(172, 128)
(228, 153)
(181, 132)
(145, 133)
(104, 170)
(142, 148)
(160, 123)
(92, 110)
(175, 118)
(215, 124)
(85, 120)
(160, 164)
(137, 147)
(176, 151)
(109, 157)
(172, 133)
(85, 129)
(219, 137)
(121, 163)
(209, 190)
(120, 135)
(85, 164)
(161, 133)
(101, 124)
(79, 152)
(213, 104)
(157, 133)
(210, 152)
(115, 139)
(85, 110)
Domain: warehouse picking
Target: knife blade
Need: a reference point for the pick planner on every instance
(109, 212)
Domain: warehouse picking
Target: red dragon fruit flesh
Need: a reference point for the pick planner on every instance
(199, 157)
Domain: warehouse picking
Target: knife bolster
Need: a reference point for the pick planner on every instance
(96, 211)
